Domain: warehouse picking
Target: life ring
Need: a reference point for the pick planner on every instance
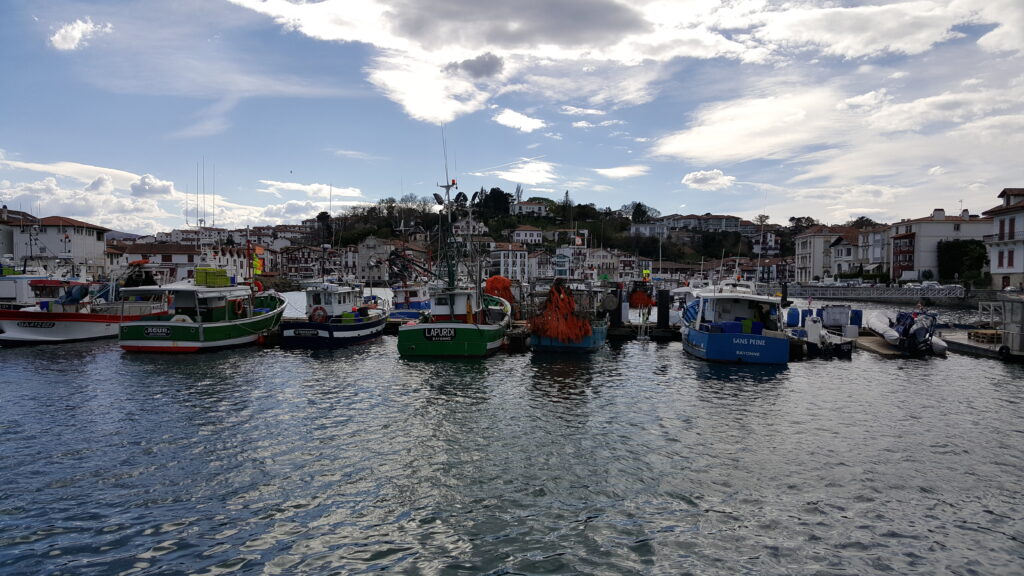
(239, 307)
(318, 314)
(258, 286)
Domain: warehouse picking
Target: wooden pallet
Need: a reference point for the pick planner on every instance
(985, 336)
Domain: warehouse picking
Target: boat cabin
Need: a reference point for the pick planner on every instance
(749, 314)
(328, 300)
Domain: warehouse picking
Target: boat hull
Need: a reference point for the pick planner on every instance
(19, 327)
(305, 334)
(594, 341)
(180, 334)
(450, 339)
(736, 348)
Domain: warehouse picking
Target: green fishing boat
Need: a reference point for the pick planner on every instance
(205, 313)
(463, 321)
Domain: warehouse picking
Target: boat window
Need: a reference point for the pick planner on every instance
(186, 299)
(441, 300)
(314, 298)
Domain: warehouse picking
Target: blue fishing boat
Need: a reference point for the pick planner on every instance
(733, 324)
(336, 316)
(569, 320)
(410, 303)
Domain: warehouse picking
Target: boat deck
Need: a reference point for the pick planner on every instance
(878, 345)
(977, 343)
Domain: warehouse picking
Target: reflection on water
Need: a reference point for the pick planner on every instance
(633, 460)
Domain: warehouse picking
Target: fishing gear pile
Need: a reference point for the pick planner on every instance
(558, 320)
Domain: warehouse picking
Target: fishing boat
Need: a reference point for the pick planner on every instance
(463, 321)
(568, 321)
(57, 310)
(911, 333)
(336, 316)
(207, 312)
(67, 311)
(410, 303)
(827, 332)
(731, 323)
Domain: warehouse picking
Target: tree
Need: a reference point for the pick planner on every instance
(323, 219)
(862, 223)
(761, 219)
(800, 223)
(494, 204)
(639, 212)
(963, 259)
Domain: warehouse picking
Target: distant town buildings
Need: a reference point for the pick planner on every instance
(903, 251)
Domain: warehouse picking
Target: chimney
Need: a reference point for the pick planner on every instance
(938, 214)
(965, 214)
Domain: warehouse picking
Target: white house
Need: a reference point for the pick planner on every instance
(58, 238)
(915, 243)
(1005, 243)
(178, 261)
(845, 252)
(528, 208)
(527, 235)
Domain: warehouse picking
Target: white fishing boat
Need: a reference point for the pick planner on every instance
(336, 317)
(58, 310)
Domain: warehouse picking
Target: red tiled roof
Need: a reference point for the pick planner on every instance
(65, 221)
(161, 249)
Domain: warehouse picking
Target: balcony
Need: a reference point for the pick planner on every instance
(1004, 237)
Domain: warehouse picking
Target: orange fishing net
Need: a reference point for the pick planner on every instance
(558, 319)
(499, 286)
(640, 299)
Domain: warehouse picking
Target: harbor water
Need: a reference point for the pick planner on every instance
(634, 460)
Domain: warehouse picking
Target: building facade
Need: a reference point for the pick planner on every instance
(1005, 241)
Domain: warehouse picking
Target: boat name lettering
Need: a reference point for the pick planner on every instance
(28, 324)
(748, 341)
(306, 332)
(157, 331)
(439, 334)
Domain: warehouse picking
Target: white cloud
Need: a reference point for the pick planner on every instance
(81, 172)
(356, 155)
(520, 122)
(585, 124)
(621, 172)
(74, 35)
(95, 203)
(862, 31)
(776, 126)
(313, 191)
(574, 111)
(529, 172)
(149, 186)
(708, 180)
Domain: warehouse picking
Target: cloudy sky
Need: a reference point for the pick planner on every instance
(147, 115)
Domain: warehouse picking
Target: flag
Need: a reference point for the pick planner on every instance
(257, 265)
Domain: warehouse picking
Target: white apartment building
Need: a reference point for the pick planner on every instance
(1005, 242)
(509, 260)
(915, 243)
(813, 254)
(873, 249)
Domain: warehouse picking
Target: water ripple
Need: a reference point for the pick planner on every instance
(634, 460)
